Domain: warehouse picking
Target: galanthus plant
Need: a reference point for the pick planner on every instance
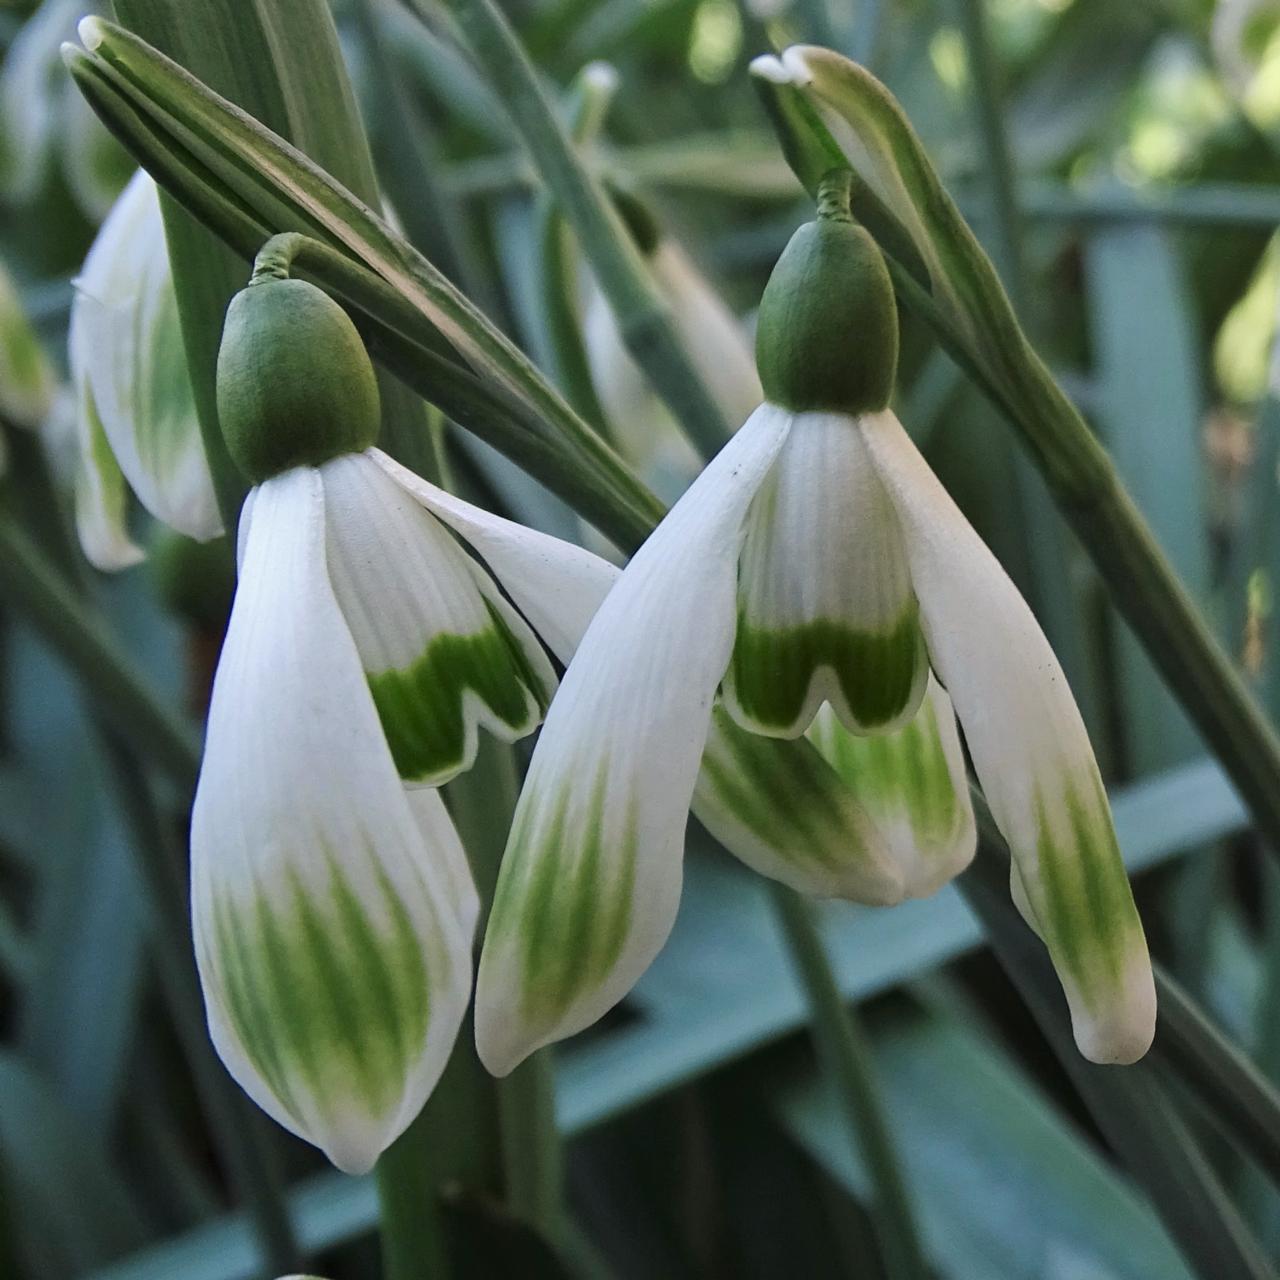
(817, 560)
(134, 406)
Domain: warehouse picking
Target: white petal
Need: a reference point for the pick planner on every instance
(335, 972)
(788, 815)
(826, 612)
(126, 346)
(913, 785)
(444, 651)
(591, 878)
(1031, 753)
(440, 839)
(556, 585)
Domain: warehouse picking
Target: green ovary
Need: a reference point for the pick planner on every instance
(422, 707)
(564, 901)
(879, 673)
(323, 999)
(1084, 905)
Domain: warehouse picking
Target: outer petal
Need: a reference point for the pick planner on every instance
(1032, 756)
(126, 347)
(826, 612)
(443, 650)
(591, 878)
(913, 785)
(776, 805)
(335, 969)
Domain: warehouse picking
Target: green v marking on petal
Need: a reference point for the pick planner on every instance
(322, 998)
(570, 913)
(772, 669)
(423, 707)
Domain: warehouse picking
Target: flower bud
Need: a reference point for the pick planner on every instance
(828, 331)
(295, 384)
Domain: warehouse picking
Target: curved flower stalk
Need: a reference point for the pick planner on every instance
(643, 427)
(135, 409)
(47, 123)
(816, 562)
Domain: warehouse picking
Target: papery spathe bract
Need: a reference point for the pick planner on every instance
(136, 411)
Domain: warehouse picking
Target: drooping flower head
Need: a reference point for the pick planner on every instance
(333, 906)
(135, 409)
(816, 564)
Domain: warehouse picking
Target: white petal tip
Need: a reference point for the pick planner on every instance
(355, 1159)
(600, 77)
(498, 1049)
(1122, 1034)
(793, 59)
(92, 32)
(769, 67)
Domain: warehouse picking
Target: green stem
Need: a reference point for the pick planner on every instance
(642, 316)
(846, 1060)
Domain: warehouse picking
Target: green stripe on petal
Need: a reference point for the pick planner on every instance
(318, 991)
(912, 783)
(443, 651)
(569, 915)
(826, 611)
(786, 813)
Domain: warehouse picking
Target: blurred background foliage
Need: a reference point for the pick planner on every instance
(1141, 249)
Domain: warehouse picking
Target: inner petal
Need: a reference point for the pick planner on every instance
(443, 650)
(826, 611)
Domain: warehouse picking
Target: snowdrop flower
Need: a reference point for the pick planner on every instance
(333, 907)
(644, 430)
(817, 560)
(135, 407)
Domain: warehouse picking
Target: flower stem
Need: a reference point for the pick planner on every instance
(642, 316)
(846, 1060)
